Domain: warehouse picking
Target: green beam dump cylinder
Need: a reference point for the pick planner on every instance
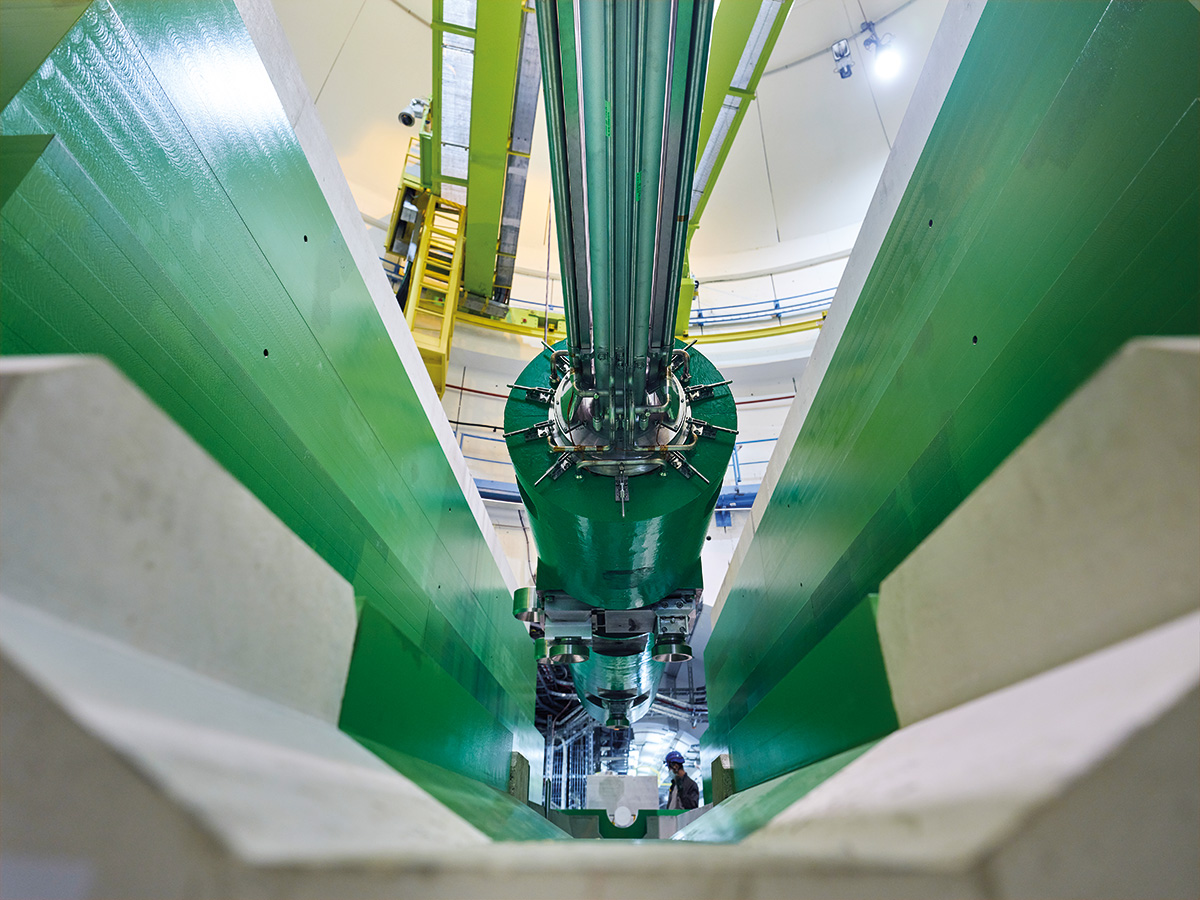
(585, 545)
(620, 437)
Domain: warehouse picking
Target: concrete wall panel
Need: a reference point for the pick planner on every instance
(112, 517)
(1086, 535)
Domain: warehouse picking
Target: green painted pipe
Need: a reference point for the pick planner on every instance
(623, 86)
(585, 545)
(618, 481)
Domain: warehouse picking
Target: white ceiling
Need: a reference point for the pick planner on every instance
(803, 167)
(362, 61)
(794, 188)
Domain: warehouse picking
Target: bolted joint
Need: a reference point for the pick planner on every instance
(670, 644)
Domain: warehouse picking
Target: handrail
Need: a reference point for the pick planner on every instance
(776, 300)
(701, 317)
(535, 306)
(762, 309)
(731, 312)
(721, 337)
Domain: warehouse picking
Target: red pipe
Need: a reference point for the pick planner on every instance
(467, 390)
(762, 400)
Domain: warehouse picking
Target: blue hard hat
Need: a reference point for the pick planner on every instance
(674, 757)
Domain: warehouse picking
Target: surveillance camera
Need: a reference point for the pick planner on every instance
(414, 111)
(842, 63)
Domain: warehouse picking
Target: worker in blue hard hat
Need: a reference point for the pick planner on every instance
(684, 793)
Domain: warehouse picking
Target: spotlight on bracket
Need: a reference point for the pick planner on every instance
(887, 59)
(888, 63)
(842, 63)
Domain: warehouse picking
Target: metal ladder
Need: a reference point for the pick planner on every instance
(434, 288)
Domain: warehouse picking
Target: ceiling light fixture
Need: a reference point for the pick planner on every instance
(887, 59)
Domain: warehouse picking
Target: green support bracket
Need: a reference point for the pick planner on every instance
(495, 44)
(426, 160)
(435, 117)
(687, 293)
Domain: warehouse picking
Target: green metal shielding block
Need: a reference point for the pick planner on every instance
(175, 225)
(1054, 213)
(747, 811)
(834, 698)
(18, 153)
(29, 31)
(495, 813)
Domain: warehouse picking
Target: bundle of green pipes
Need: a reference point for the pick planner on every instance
(620, 435)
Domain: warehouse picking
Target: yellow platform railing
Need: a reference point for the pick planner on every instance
(529, 323)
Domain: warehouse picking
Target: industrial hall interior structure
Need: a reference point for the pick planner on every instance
(418, 418)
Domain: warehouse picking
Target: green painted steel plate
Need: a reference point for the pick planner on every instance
(1053, 214)
(748, 810)
(500, 816)
(174, 225)
(834, 698)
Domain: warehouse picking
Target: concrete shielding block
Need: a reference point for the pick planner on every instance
(113, 518)
(722, 778)
(97, 734)
(55, 843)
(1078, 782)
(518, 776)
(1085, 535)
(128, 776)
(621, 796)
